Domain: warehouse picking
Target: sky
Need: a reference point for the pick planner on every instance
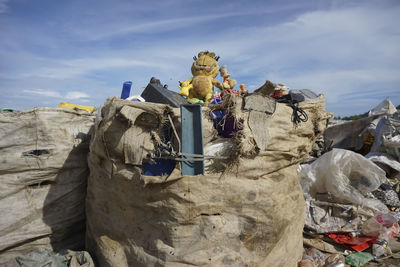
(83, 51)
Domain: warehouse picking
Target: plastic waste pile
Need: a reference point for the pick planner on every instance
(351, 188)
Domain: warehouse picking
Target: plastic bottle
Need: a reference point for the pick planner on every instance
(380, 247)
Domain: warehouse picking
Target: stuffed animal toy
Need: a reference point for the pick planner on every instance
(243, 90)
(185, 87)
(201, 86)
(228, 83)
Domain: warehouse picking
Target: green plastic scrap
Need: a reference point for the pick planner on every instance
(195, 101)
(357, 259)
(5, 110)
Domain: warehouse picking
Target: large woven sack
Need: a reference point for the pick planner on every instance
(252, 214)
(43, 174)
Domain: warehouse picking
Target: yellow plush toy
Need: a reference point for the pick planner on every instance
(200, 87)
(185, 87)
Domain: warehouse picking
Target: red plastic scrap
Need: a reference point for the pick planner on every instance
(357, 243)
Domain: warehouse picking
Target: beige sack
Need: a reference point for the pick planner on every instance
(250, 215)
(43, 174)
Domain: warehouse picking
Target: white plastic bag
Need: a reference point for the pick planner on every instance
(222, 147)
(348, 176)
(387, 136)
(385, 107)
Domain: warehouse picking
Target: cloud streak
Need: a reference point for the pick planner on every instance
(42, 92)
(64, 69)
(156, 26)
(3, 6)
(73, 95)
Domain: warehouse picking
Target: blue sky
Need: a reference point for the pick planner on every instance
(82, 51)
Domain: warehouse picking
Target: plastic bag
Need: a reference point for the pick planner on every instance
(380, 247)
(317, 256)
(392, 144)
(335, 260)
(348, 176)
(387, 136)
(385, 107)
(223, 148)
(358, 258)
(386, 161)
(383, 226)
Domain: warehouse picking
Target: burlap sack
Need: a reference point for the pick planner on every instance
(43, 174)
(250, 215)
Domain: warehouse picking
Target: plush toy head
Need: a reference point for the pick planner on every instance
(224, 72)
(206, 64)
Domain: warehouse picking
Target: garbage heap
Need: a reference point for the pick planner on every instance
(246, 210)
(43, 174)
(352, 193)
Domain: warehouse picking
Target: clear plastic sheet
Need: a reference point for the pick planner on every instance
(346, 175)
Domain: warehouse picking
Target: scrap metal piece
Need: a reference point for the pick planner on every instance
(192, 139)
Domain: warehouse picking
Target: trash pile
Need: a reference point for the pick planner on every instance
(352, 193)
(246, 207)
(224, 178)
(213, 182)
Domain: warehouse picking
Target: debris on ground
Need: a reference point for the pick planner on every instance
(351, 187)
(46, 258)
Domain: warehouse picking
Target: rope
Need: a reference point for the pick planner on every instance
(175, 132)
(298, 114)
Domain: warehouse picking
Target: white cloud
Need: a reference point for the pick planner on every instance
(337, 52)
(153, 26)
(77, 67)
(76, 95)
(73, 95)
(42, 92)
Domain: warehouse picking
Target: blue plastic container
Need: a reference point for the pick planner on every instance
(126, 90)
(159, 167)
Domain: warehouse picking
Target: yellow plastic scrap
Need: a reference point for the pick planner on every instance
(76, 107)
